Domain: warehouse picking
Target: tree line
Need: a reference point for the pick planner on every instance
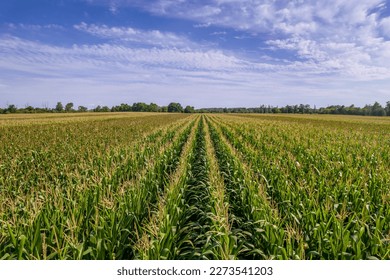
(375, 109)
(368, 110)
(173, 107)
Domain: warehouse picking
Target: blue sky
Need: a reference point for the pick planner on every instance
(208, 53)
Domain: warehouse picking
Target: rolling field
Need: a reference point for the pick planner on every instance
(180, 186)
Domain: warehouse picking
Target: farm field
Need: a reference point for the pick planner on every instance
(192, 186)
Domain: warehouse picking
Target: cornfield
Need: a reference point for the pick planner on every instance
(179, 186)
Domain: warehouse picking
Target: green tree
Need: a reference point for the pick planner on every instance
(139, 107)
(11, 109)
(29, 109)
(59, 107)
(82, 109)
(175, 107)
(189, 109)
(153, 107)
(387, 109)
(377, 110)
(98, 108)
(69, 107)
(123, 108)
(105, 109)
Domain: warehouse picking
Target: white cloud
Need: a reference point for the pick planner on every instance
(337, 47)
(110, 73)
(40, 59)
(348, 35)
(33, 27)
(345, 35)
(148, 37)
(202, 25)
(385, 26)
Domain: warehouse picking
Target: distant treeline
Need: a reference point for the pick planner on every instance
(368, 110)
(69, 108)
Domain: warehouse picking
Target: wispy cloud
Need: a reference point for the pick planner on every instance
(129, 34)
(217, 33)
(347, 36)
(113, 72)
(32, 27)
(302, 50)
(202, 25)
(30, 54)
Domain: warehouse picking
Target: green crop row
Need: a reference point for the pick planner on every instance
(253, 221)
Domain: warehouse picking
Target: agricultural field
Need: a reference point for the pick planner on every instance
(190, 186)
